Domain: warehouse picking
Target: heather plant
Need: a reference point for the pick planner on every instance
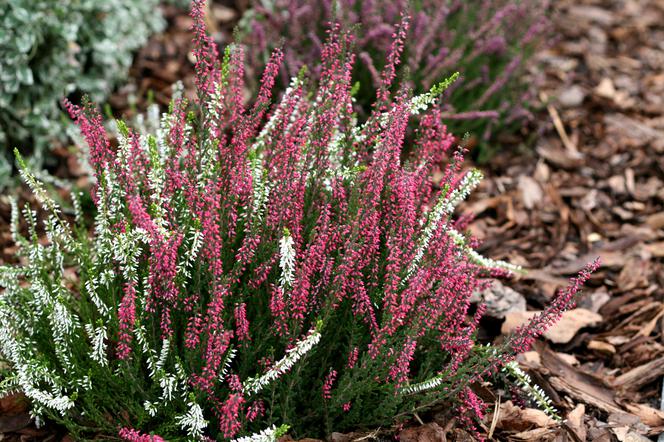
(487, 41)
(52, 48)
(255, 268)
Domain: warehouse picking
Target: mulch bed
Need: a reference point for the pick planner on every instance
(592, 185)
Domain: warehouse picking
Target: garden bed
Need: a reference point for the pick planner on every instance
(585, 180)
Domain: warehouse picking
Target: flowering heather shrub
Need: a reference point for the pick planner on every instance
(256, 267)
(50, 48)
(487, 41)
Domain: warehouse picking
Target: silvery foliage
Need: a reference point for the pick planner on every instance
(51, 48)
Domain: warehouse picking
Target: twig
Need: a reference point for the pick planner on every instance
(372, 435)
(558, 124)
(494, 420)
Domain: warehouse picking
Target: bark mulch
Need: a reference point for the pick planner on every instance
(593, 186)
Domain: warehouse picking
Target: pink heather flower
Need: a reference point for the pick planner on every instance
(205, 50)
(346, 406)
(90, 123)
(524, 336)
(217, 344)
(255, 410)
(127, 317)
(163, 270)
(500, 81)
(471, 410)
(264, 363)
(230, 413)
(401, 367)
(234, 383)
(193, 331)
(119, 227)
(242, 324)
(327, 384)
(439, 40)
(494, 45)
(352, 358)
(134, 436)
(365, 57)
(393, 59)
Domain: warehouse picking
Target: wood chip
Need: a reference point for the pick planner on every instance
(639, 376)
(648, 415)
(603, 347)
(575, 422)
(579, 385)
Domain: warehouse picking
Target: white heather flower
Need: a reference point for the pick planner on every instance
(9, 386)
(38, 190)
(269, 126)
(91, 289)
(294, 354)
(62, 324)
(477, 258)
(261, 187)
(150, 408)
(270, 434)
(98, 340)
(168, 384)
(58, 403)
(416, 105)
(14, 225)
(85, 383)
(469, 181)
(182, 376)
(230, 355)
(39, 420)
(533, 391)
(185, 265)
(429, 384)
(443, 208)
(106, 277)
(76, 203)
(422, 102)
(126, 250)
(193, 421)
(124, 145)
(62, 231)
(163, 355)
(287, 260)
(9, 277)
(150, 354)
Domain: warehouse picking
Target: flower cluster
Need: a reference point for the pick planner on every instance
(487, 41)
(248, 262)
